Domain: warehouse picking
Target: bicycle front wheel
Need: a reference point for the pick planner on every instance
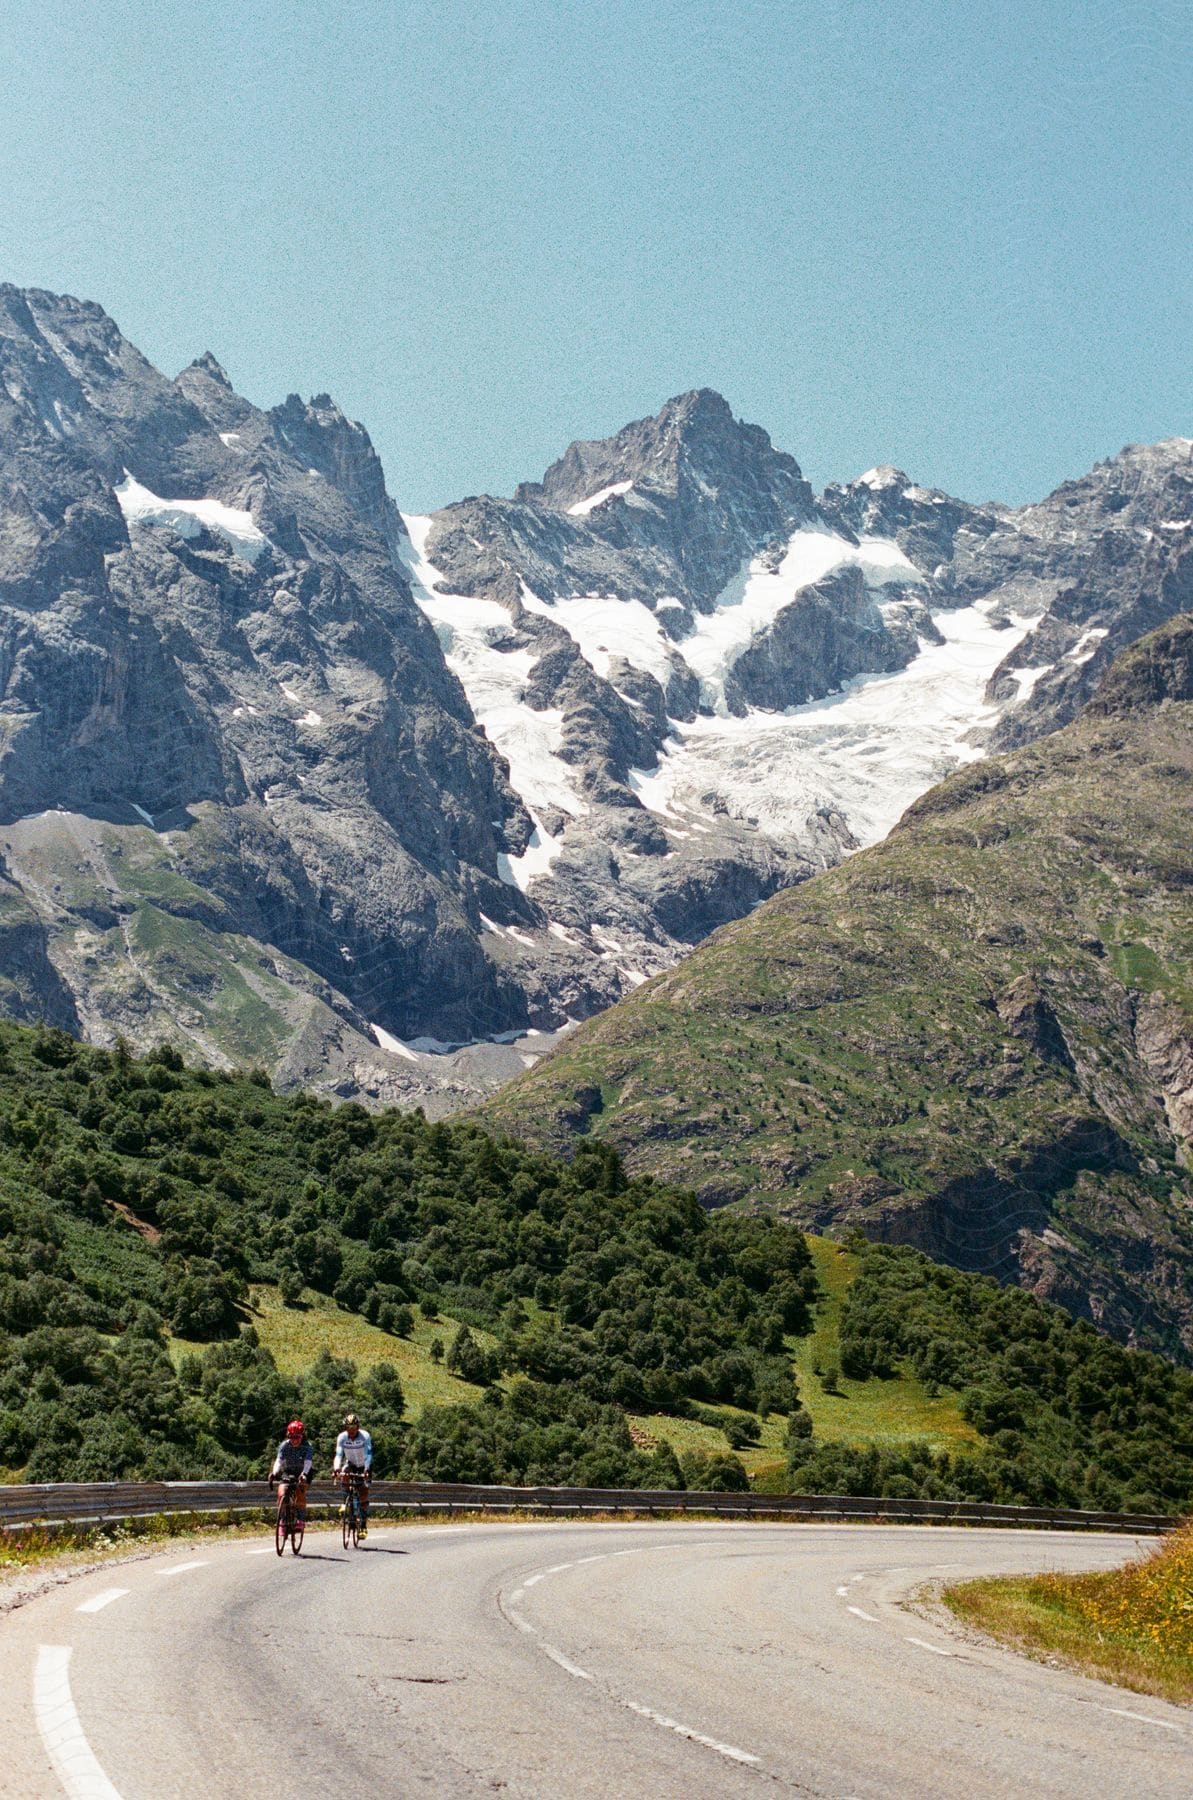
(297, 1528)
(283, 1524)
(346, 1522)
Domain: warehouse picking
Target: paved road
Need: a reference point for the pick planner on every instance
(685, 1660)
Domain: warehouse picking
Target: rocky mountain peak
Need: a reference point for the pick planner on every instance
(884, 475)
(215, 371)
(886, 502)
(693, 439)
(325, 441)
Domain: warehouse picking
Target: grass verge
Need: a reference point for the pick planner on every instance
(1132, 1626)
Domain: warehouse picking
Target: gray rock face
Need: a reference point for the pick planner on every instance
(828, 633)
(236, 635)
(286, 778)
(1113, 552)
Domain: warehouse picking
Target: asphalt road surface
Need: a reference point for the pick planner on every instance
(552, 1660)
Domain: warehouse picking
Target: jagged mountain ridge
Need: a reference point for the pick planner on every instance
(240, 663)
(280, 777)
(975, 1037)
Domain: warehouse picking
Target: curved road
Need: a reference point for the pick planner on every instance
(693, 1660)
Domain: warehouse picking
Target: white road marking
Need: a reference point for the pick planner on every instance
(697, 1737)
(267, 1551)
(517, 1595)
(923, 1644)
(868, 1617)
(557, 1569)
(181, 1568)
(581, 1560)
(99, 1601)
(557, 1656)
(1121, 1712)
(842, 1590)
(61, 1731)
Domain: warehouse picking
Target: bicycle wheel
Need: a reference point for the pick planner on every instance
(355, 1517)
(297, 1528)
(283, 1524)
(345, 1521)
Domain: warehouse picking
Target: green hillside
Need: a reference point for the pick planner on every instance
(976, 1037)
(323, 1252)
(187, 1259)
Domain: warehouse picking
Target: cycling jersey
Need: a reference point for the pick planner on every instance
(293, 1459)
(353, 1453)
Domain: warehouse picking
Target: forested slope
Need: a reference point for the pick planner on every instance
(141, 1198)
(146, 1211)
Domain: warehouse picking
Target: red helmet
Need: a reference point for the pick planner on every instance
(296, 1431)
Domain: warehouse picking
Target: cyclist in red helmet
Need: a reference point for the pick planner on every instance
(295, 1458)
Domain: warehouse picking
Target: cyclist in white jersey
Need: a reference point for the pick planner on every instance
(354, 1450)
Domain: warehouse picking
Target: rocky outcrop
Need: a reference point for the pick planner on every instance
(829, 633)
(1164, 1039)
(1027, 1015)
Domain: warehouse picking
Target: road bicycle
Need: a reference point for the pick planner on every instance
(352, 1517)
(289, 1525)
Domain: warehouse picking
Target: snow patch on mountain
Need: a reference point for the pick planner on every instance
(752, 602)
(536, 859)
(603, 626)
(582, 508)
(867, 751)
(188, 518)
(473, 634)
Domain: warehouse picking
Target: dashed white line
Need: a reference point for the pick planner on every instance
(923, 1644)
(181, 1568)
(1121, 1712)
(842, 1590)
(61, 1730)
(268, 1550)
(557, 1569)
(868, 1617)
(564, 1662)
(99, 1601)
(557, 1656)
(697, 1737)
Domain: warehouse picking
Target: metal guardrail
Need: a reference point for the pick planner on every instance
(110, 1502)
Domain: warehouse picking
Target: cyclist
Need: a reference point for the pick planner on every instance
(295, 1458)
(354, 1451)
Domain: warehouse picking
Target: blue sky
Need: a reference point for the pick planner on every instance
(953, 236)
